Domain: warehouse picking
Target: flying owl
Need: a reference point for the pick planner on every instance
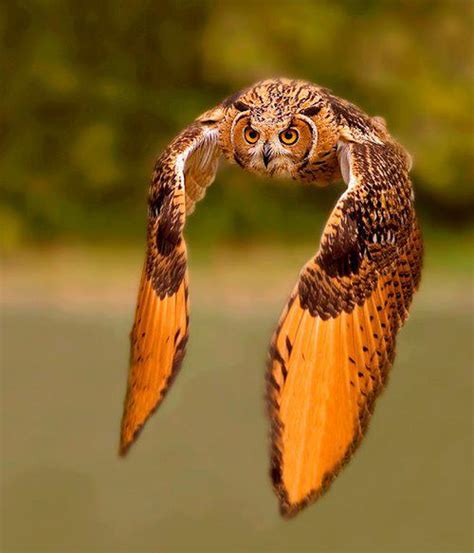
(335, 342)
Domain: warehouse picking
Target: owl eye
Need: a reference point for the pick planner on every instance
(289, 137)
(251, 135)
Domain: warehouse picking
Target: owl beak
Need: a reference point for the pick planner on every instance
(267, 154)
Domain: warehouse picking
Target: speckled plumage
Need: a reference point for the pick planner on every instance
(335, 342)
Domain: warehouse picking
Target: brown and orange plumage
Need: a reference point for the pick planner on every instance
(335, 341)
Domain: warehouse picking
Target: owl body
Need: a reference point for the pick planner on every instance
(335, 341)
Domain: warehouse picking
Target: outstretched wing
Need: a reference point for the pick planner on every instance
(160, 330)
(335, 341)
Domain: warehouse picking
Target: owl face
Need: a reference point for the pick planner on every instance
(281, 128)
(272, 147)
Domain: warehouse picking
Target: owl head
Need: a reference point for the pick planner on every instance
(281, 127)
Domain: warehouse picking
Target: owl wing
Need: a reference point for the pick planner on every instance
(335, 341)
(160, 329)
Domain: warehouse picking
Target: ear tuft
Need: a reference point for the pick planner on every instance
(312, 110)
(241, 106)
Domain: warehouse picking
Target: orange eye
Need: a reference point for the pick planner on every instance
(251, 135)
(289, 137)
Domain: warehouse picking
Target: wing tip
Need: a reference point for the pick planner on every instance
(130, 432)
(128, 438)
(124, 445)
(289, 509)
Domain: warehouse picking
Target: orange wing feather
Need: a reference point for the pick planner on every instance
(335, 342)
(158, 338)
(160, 330)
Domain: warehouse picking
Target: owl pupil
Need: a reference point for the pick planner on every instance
(288, 135)
(253, 134)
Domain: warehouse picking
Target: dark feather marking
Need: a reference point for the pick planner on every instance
(312, 111)
(289, 345)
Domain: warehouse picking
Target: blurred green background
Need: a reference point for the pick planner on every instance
(93, 90)
(90, 93)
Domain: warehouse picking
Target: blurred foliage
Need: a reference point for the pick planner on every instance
(91, 91)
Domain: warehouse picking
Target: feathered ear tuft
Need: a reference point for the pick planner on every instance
(241, 106)
(312, 110)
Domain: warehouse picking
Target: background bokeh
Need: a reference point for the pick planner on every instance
(90, 93)
(93, 90)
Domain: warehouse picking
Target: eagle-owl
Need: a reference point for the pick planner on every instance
(335, 342)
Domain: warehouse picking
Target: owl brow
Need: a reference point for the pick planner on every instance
(312, 110)
(241, 106)
(292, 122)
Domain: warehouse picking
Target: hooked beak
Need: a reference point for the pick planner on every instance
(267, 154)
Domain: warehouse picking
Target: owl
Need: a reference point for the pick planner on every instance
(331, 353)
